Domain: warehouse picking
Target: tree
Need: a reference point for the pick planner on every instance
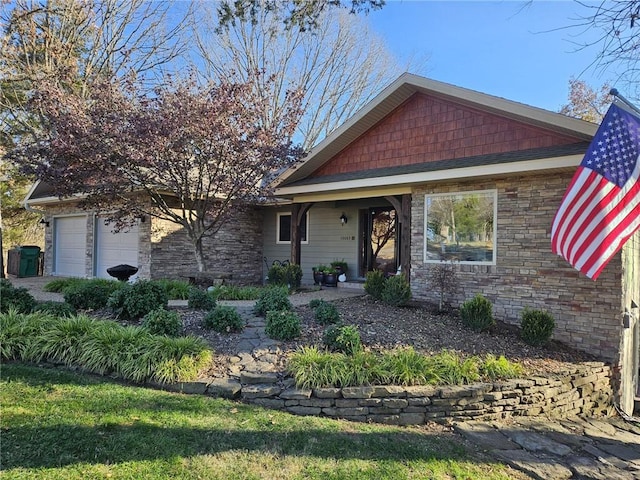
(302, 14)
(339, 66)
(586, 103)
(183, 154)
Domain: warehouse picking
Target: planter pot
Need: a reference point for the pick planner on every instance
(318, 277)
(330, 279)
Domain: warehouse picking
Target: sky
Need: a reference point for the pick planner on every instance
(521, 51)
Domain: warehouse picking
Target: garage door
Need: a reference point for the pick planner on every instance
(114, 248)
(69, 246)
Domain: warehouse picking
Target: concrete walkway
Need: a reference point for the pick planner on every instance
(543, 448)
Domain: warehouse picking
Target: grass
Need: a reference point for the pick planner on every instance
(61, 425)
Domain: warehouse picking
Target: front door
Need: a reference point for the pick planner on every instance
(379, 240)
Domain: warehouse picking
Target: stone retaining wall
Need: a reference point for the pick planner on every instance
(586, 391)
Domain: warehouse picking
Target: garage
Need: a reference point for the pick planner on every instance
(114, 248)
(69, 246)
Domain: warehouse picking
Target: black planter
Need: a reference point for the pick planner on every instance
(330, 279)
(122, 272)
(318, 277)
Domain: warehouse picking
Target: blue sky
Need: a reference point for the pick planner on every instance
(516, 50)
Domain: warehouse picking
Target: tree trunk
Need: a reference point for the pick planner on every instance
(197, 250)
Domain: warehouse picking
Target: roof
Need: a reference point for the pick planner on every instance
(401, 90)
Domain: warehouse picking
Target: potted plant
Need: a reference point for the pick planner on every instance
(318, 274)
(330, 277)
(340, 266)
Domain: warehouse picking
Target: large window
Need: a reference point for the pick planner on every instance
(283, 234)
(461, 227)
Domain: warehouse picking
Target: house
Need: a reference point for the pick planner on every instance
(426, 171)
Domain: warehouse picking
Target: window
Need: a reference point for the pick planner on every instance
(461, 227)
(283, 234)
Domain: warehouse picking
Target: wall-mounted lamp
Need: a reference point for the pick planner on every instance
(43, 222)
(142, 218)
(343, 219)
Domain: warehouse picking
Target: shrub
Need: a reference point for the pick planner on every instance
(59, 285)
(224, 319)
(134, 301)
(477, 313)
(201, 299)
(57, 309)
(175, 289)
(405, 366)
(273, 298)
(451, 369)
(343, 338)
(163, 322)
(444, 279)
(18, 299)
(499, 368)
(326, 313)
(289, 275)
(91, 294)
(396, 291)
(536, 326)
(282, 325)
(374, 283)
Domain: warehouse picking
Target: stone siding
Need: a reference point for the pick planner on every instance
(586, 391)
(527, 273)
(236, 249)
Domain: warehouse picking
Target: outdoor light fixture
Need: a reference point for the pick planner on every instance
(343, 218)
(44, 222)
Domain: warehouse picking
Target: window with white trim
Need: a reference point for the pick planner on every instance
(461, 227)
(283, 228)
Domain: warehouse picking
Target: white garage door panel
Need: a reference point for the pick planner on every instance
(115, 248)
(70, 247)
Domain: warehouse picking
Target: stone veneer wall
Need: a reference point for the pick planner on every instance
(584, 391)
(235, 249)
(588, 314)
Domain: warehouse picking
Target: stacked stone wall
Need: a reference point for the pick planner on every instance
(587, 391)
(526, 273)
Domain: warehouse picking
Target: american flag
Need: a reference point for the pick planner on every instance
(601, 208)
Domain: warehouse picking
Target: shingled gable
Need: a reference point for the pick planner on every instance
(419, 129)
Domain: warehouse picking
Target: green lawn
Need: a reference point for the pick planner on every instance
(60, 425)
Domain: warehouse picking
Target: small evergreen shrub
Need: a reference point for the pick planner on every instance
(273, 298)
(12, 298)
(282, 325)
(396, 291)
(326, 313)
(536, 326)
(224, 319)
(315, 303)
(59, 285)
(163, 322)
(134, 301)
(57, 309)
(374, 283)
(477, 313)
(343, 338)
(289, 275)
(91, 294)
(201, 299)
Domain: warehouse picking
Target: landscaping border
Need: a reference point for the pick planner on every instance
(586, 390)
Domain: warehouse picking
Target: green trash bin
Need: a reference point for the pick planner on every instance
(29, 258)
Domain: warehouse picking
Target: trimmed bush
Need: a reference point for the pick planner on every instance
(374, 283)
(224, 319)
(282, 325)
(57, 309)
(59, 285)
(201, 299)
(289, 275)
(134, 301)
(536, 326)
(343, 338)
(326, 313)
(12, 298)
(163, 322)
(91, 294)
(477, 313)
(396, 291)
(315, 303)
(273, 298)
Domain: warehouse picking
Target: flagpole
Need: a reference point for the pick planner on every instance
(618, 95)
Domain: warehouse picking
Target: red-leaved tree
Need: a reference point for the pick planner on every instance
(182, 153)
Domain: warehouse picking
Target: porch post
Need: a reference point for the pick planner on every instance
(298, 211)
(405, 236)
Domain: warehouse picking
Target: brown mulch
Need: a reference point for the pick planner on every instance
(419, 325)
